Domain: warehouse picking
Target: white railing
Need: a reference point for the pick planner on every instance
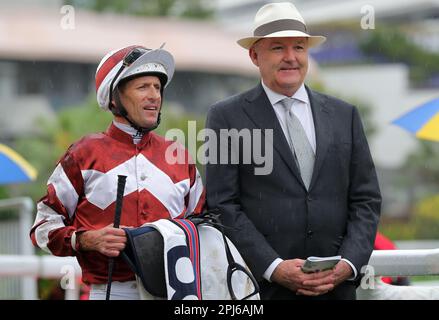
(66, 269)
(405, 262)
(399, 263)
(383, 263)
(24, 206)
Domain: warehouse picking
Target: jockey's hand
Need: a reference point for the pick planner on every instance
(109, 241)
(290, 275)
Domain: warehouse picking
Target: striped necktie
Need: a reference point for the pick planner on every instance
(299, 143)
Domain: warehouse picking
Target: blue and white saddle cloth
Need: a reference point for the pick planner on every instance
(178, 260)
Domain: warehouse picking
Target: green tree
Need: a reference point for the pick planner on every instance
(422, 224)
(395, 46)
(195, 9)
(3, 192)
(420, 175)
(423, 162)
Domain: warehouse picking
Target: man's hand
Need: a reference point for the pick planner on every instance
(289, 274)
(341, 272)
(109, 241)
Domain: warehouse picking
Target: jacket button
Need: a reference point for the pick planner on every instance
(310, 233)
(309, 199)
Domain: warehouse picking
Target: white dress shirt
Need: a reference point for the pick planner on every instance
(302, 110)
(300, 107)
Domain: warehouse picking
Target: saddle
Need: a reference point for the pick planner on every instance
(188, 258)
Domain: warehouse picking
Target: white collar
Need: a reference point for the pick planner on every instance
(137, 135)
(274, 97)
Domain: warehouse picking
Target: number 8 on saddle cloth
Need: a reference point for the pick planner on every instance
(177, 259)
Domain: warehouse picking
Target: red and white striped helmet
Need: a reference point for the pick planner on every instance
(156, 61)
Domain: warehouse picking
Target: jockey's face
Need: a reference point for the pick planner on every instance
(142, 100)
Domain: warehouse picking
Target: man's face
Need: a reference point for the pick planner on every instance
(142, 100)
(282, 62)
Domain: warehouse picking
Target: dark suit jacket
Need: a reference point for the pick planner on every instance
(274, 215)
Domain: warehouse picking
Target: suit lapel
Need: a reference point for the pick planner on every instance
(323, 129)
(260, 111)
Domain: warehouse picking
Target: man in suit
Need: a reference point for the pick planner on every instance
(321, 197)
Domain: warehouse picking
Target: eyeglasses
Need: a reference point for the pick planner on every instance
(128, 60)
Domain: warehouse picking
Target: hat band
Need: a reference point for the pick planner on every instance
(279, 25)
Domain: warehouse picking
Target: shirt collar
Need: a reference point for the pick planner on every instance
(275, 97)
(120, 135)
(125, 128)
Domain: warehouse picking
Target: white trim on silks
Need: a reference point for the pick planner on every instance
(213, 263)
(195, 193)
(64, 189)
(53, 221)
(161, 186)
(101, 188)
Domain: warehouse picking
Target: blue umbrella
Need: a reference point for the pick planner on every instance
(13, 168)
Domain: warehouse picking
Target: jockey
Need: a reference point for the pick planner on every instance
(75, 216)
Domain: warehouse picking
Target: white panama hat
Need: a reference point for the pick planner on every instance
(276, 20)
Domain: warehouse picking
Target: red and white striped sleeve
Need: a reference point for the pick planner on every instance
(52, 230)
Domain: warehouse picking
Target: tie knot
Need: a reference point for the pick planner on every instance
(287, 103)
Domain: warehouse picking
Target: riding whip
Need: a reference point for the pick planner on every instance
(121, 180)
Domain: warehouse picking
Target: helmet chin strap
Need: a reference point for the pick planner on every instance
(119, 110)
